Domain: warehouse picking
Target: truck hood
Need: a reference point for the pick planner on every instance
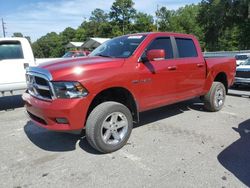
(69, 69)
(243, 68)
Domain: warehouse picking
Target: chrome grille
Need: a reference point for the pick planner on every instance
(39, 86)
(243, 74)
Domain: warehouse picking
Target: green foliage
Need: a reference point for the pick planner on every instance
(37, 50)
(98, 25)
(98, 16)
(122, 12)
(211, 17)
(67, 35)
(163, 18)
(229, 39)
(218, 24)
(143, 23)
(49, 45)
(17, 34)
(241, 10)
(183, 20)
(80, 34)
(226, 24)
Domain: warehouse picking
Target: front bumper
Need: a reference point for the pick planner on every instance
(45, 113)
(242, 81)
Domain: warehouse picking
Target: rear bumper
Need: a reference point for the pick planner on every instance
(45, 113)
(242, 81)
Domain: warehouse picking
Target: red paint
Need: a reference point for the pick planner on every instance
(161, 82)
(155, 54)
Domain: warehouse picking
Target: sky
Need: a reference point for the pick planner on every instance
(36, 18)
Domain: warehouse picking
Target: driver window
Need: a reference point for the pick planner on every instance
(162, 43)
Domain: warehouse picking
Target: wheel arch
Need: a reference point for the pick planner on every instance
(116, 94)
(222, 77)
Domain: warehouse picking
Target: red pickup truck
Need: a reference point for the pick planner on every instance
(105, 92)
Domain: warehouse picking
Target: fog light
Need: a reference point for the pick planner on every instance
(62, 121)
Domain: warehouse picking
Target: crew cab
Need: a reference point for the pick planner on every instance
(15, 56)
(105, 92)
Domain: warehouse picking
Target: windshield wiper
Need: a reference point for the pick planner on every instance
(101, 55)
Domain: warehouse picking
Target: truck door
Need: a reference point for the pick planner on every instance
(12, 63)
(191, 69)
(157, 78)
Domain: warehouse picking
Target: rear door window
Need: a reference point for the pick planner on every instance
(11, 50)
(162, 43)
(186, 47)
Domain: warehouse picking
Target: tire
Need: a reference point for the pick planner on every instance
(214, 100)
(109, 126)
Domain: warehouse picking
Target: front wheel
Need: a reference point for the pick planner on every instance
(109, 126)
(214, 100)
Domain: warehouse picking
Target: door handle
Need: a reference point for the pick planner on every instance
(172, 68)
(200, 65)
(25, 65)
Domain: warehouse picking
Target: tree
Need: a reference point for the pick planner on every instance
(80, 35)
(229, 39)
(67, 35)
(182, 20)
(49, 45)
(37, 50)
(240, 9)
(28, 38)
(98, 25)
(17, 34)
(122, 12)
(163, 18)
(98, 16)
(211, 16)
(226, 24)
(143, 23)
(116, 31)
(218, 24)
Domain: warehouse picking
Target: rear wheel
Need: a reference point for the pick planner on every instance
(109, 126)
(214, 100)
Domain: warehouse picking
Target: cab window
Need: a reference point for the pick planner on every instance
(162, 43)
(11, 50)
(186, 47)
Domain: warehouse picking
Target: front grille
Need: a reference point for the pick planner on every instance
(41, 81)
(243, 74)
(39, 86)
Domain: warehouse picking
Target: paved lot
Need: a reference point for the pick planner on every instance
(176, 146)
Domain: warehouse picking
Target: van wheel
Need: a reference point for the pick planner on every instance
(215, 98)
(109, 126)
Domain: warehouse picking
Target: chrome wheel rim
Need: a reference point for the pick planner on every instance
(114, 128)
(219, 97)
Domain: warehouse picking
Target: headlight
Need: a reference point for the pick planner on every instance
(69, 90)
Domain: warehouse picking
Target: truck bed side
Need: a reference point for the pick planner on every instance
(217, 68)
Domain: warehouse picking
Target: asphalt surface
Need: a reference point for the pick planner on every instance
(180, 145)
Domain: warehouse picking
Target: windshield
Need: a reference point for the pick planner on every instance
(120, 47)
(247, 62)
(241, 57)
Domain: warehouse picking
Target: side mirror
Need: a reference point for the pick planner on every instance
(154, 55)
